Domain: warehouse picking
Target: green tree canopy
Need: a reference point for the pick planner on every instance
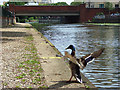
(61, 4)
(55, 4)
(75, 3)
(16, 3)
(109, 6)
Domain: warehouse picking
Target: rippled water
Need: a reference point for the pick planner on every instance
(105, 70)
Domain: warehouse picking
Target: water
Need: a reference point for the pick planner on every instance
(105, 70)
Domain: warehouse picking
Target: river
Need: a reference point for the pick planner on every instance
(105, 70)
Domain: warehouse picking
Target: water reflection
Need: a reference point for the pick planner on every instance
(104, 71)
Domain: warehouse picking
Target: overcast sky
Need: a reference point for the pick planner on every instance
(54, 1)
(68, 1)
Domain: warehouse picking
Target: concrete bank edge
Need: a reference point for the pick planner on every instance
(88, 83)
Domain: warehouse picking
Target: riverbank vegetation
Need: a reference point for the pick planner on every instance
(39, 26)
(30, 70)
(104, 24)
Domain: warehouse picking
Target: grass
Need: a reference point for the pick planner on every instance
(86, 86)
(108, 24)
(21, 76)
(30, 69)
(40, 27)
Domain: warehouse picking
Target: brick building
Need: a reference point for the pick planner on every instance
(99, 3)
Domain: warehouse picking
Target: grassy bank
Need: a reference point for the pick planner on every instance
(104, 24)
(30, 70)
(39, 26)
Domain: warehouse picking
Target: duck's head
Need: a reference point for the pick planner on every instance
(71, 47)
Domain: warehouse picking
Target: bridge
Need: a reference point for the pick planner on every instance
(46, 10)
(71, 13)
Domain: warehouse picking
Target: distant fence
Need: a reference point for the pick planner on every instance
(6, 17)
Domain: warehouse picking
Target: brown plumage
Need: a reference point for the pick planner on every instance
(77, 64)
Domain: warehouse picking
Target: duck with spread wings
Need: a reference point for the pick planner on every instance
(77, 64)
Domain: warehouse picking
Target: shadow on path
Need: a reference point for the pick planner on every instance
(61, 84)
(13, 34)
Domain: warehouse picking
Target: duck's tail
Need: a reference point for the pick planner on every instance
(77, 74)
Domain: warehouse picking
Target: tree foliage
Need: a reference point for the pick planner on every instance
(16, 3)
(61, 4)
(55, 4)
(109, 6)
(75, 3)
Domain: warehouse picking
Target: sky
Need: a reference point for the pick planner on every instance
(54, 1)
(68, 1)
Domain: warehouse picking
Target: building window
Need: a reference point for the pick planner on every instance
(116, 5)
(92, 6)
(101, 5)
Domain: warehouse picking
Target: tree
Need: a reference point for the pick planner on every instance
(109, 6)
(75, 3)
(61, 4)
(16, 3)
(54, 4)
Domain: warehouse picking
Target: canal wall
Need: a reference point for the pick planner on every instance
(56, 70)
(6, 17)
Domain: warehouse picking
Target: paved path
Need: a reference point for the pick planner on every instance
(56, 71)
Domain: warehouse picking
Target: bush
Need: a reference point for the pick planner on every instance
(22, 20)
(75, 3)
(31, 18)
(100, 13)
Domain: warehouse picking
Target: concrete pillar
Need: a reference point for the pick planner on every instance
(83, 13)
(14, 19)
(12, 9)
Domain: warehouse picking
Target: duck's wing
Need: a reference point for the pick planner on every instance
(73, 59)
(97, 53)
(90, 57)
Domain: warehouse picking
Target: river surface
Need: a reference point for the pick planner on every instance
(104, 72)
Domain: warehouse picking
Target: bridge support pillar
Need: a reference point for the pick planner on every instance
(14, 19)
(83, 13)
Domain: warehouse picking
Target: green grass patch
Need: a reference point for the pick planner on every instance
(106, 24)
(31, 65)
(86, 86)
(29, 38)
(21, 76)
(40, 27)
(21, 66)
(23, 80)
(17, 86)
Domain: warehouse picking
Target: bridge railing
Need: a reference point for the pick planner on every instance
(32, 9)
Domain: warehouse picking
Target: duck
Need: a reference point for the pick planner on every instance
(77, 64)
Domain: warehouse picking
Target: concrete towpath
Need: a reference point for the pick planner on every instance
(56, 71)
